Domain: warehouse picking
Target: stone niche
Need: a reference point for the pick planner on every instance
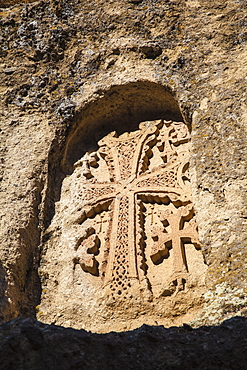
(123, 247)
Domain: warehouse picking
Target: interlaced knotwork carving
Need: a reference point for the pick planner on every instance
(126, 151)
(145, 166)
(168, 178)
(96, 192)
(120, 276)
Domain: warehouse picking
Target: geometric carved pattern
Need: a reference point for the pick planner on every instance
(126, 173)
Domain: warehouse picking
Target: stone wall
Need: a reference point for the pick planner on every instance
(68, 67)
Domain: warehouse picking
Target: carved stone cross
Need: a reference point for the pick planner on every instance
(176, 237)
(145, 166)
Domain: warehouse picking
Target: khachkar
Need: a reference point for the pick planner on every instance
(140, 180)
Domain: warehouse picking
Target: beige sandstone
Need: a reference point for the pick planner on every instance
(105, 238)
(126, 218)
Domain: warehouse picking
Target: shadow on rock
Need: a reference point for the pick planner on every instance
(29, 344)
(4, 304)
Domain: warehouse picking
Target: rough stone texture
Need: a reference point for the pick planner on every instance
(69, 67)
(26, 344)
(126, 218)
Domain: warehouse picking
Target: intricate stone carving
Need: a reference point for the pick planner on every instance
(127, 173)
(86, 252)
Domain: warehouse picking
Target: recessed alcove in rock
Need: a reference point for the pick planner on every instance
(120, 109)
(123, 248)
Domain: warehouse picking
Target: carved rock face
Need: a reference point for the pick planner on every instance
(128, 243)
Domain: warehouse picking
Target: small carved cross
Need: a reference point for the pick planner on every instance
(176, 237)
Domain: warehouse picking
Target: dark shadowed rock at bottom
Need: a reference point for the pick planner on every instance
(29, 344)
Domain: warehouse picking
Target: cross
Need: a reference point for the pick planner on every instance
(130, 181)
(177, 236)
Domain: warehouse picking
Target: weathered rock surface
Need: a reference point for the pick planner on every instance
(132, 251)
(26, 344)
(70, 67)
